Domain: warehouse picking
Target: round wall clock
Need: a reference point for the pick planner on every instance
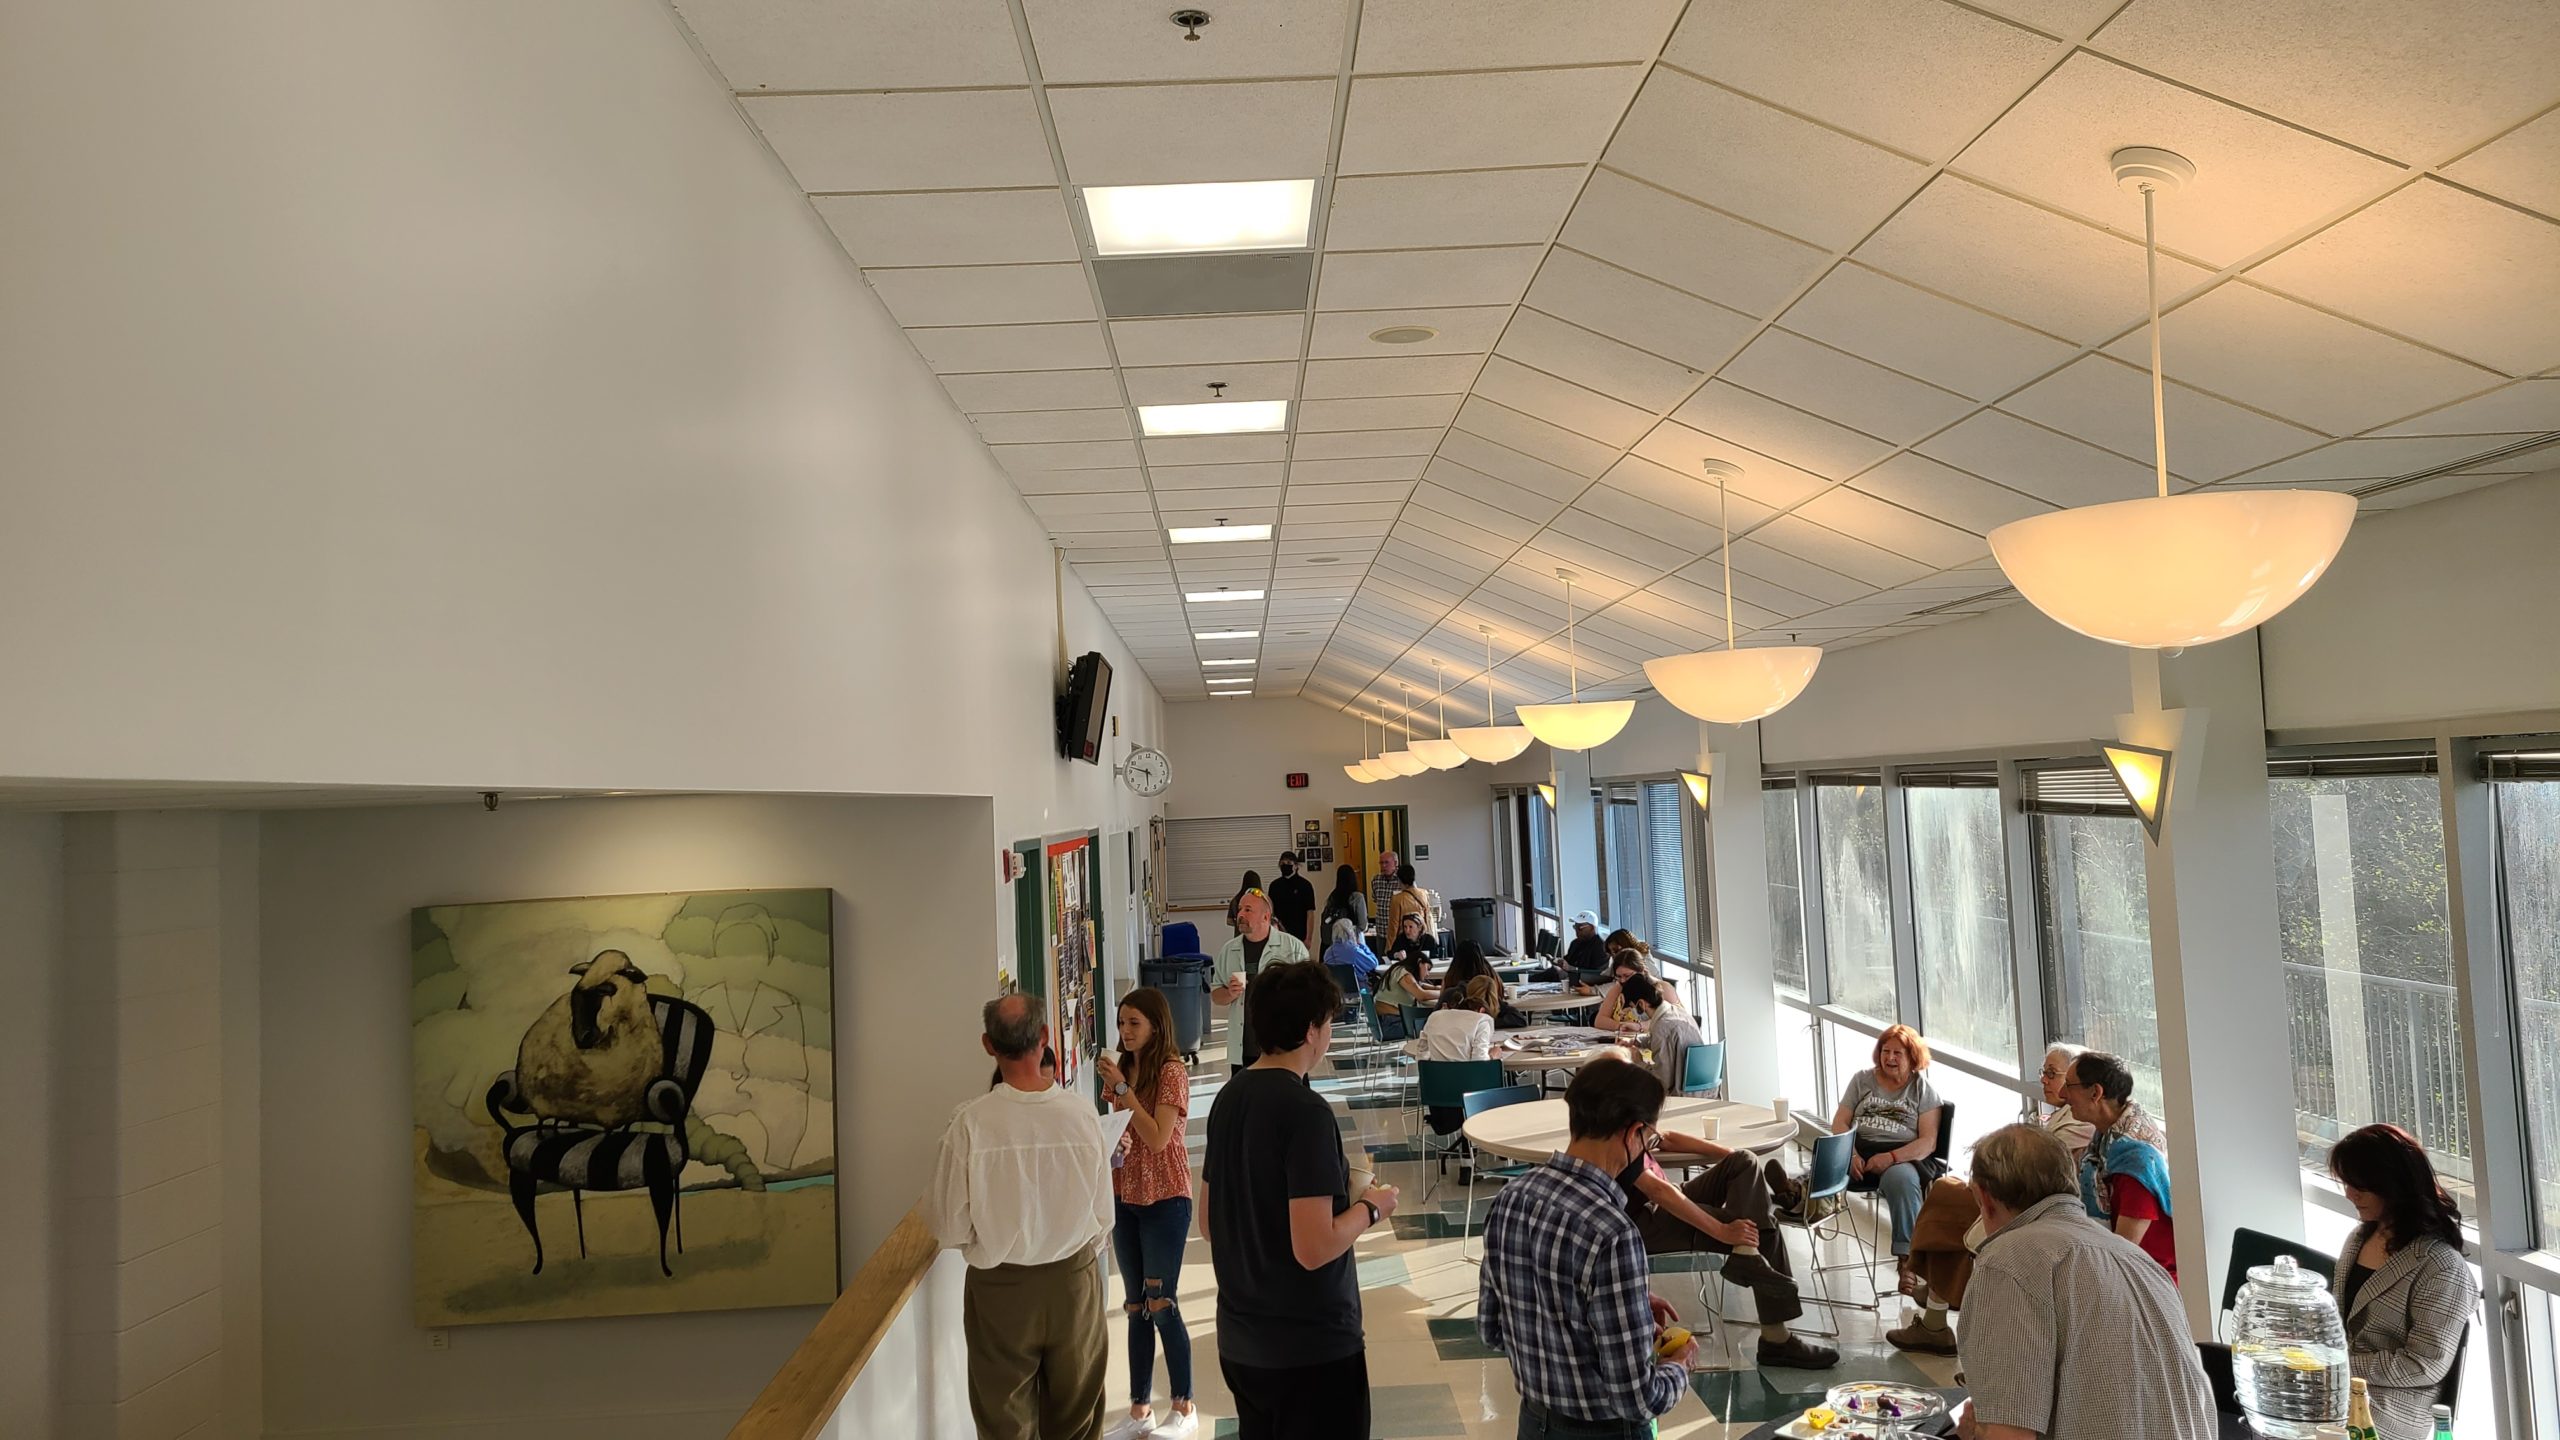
(1147, 771)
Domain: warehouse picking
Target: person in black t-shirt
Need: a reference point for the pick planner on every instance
(1293, 903)
(1275, 1204)
(1587, 955)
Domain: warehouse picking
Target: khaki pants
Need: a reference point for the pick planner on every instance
(1036, 1350)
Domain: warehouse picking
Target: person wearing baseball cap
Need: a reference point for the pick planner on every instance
(1586, 955)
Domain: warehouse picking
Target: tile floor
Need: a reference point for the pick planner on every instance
(1429, 1374)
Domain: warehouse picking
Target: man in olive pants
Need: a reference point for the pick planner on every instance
(1023, 1191)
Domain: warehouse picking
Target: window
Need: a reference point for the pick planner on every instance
(1542, 854)
(2093, 919)
(1960, 905)
(2529, 884)
(2374, 1021)
(1665, 808)
(1786, 887)
(1621, 858)
(1857, 928)
(1799, 1081)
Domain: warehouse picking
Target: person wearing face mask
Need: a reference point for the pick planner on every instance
(1293, 902)
(1563, 1291)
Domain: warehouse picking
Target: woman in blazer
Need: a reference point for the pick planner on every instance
(2401, 1281)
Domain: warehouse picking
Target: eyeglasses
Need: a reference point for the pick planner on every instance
(1652, 1141)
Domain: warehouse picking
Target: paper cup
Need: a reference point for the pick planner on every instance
(1778, 1107)
(1707, 1126)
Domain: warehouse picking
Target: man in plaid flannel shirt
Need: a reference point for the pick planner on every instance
(1563, 1291)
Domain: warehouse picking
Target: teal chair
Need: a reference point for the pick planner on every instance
(1446, 1084)
(1826, 1194)
(1702, 1069)
(1473, 1105)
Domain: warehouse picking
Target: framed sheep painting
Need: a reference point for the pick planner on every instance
(624, 1105)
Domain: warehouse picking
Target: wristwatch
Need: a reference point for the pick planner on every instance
(1373, 1208)
(1120, 1089)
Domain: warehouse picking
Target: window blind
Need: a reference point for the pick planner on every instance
(2323, 767)
(1665, 806)
(1948, 779)
(1208, 856)
(2542, 764)
(2072, 789)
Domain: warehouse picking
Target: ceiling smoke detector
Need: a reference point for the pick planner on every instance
(1403, 334)
(1190, 21)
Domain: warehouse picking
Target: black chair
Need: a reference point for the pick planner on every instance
(2252, 1248)
(589, 1157)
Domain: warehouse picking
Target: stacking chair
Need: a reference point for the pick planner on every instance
(1840, 1225)
(1826, 1181)
(2252, 1248)
(1449, 1083)
(1475, 1104)
(1702, 1069)
(1386, 1030)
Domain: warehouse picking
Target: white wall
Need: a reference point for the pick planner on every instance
(30, 1266)
(1234, 757)
(343, 1356)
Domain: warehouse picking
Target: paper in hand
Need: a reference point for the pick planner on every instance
(1114, 1125)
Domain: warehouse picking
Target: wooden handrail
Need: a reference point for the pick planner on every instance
(804, 1393)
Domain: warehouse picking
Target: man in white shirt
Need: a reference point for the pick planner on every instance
(1023, 1191)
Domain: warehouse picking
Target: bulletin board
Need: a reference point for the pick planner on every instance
(1071, 955)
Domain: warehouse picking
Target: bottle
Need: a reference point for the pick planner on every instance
(2444, 1422)
(2359, 1412)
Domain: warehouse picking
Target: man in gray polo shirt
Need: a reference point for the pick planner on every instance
(2070, 1331)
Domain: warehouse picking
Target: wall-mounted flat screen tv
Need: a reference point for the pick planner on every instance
(1084, 709)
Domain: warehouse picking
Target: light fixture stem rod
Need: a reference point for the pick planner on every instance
(1724, 523)
(2159, 398)
(1443, 699)
(1488, 676)
(1572, 668)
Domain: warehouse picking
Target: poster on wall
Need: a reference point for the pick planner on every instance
(1071, 949)
(623, 1105)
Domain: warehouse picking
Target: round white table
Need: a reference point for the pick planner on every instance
(1535, 1129)
(1551, 1002)
(1593, 1043)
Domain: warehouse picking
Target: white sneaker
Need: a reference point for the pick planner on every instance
(1177, 1425)
(1131, 1427)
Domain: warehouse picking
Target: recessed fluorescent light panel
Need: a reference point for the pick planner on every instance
(1215, 417)
(1185, 219)
(1230, 694)
(1216, 534)
(1225, 662)
(1214, 597)
(1226, 634)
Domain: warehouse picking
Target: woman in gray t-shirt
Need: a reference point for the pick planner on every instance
(1896, 1113)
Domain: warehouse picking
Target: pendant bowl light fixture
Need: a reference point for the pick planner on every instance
(1358, 769)
(1489, 742)
(1443, 753)
(2171, 570)
(1377, 765)
(1578, 724)
(1404, 761)
(1733, 686)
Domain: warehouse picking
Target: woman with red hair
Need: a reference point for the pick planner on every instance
(2401, 1279)
(1895, 1113)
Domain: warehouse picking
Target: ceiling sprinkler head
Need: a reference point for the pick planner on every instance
(1190, 21)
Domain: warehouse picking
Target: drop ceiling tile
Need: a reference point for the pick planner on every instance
(1072, 455)
(1011, 347)
(2522, 166)
(1496, 476)
(2108, 403)
(1108, 574)
(1701, 587)
(2442, 267)
(883, 45)
(1855, 558)
(1385, 413)
(1890, 527)
(1482, 119)
(1033, 426)
(1384, 491)
(1679, 529)
(1033, 390)
(1685, 494)
(1536, 438)
(1378, 510)
(984, 294)
(1646, 555)
(2527, 405)
(1839, 386)
(1919, 75)
(1486, 207)
(1467, 330)
(1356, 470)
(2315, 369)
(2033, 266)
(1067, 482)
(1331, 531)
(1400, 279)
(2069, 19)
(1646, 314)
(1494, 34)
(2375, 459)
(1743, 157)
(1968, 502)
(907, 140)
(1242, 515)
(2419, 492)
(1047, 506)
(1808, 442)
(1494, 528)
(1904, 328)
(1185, 134)
(1596, 362)
(2257, 182)
(2409, 81)
(1216, 477)
(1559, 402)
(1785, 568)
(1189, 384)
(1089, 41)
(2028, 458)
(1709, 254)
(951, 227)
(1208, 340)
(1390, 375)
(1216, 449)
(1112, 529)
(1770, 481)
(1359, 444)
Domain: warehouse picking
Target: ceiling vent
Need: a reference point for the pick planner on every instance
(1144, 285)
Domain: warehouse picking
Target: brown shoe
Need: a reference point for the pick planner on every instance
(1927, 1339)
(1798, 1353)
(1783, 1187)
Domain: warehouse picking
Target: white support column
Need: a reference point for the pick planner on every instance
(1738, 909)
(2216, 966)
(1577, 836)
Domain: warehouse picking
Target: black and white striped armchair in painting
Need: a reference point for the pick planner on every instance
(625, 1157)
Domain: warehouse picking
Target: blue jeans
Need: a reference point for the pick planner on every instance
(1147, 1240)
(1539, 1423)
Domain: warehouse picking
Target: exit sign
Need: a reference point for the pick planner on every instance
(1297, 779)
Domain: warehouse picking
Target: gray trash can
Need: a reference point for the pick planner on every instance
(1474, 920)
(1185, 983)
